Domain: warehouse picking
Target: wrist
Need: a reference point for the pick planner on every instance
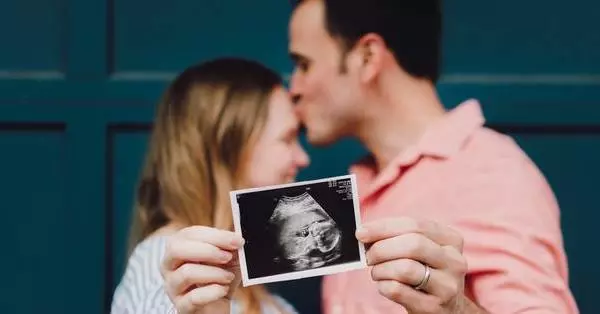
(466, 306)
(222, 306)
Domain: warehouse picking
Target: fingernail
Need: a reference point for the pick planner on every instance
(230, 276)
(361, 234)
(238, 241)
(225, 256)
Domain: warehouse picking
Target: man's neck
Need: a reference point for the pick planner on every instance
(401, 114)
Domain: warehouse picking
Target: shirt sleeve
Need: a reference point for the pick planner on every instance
(513, 243)
(141, 289)
(287, 307)
(153, 300)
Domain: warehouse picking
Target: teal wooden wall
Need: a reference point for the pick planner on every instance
(79, 79)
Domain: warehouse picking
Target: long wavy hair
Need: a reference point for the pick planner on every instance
(206, 124)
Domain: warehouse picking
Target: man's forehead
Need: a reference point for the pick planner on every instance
(307, 20)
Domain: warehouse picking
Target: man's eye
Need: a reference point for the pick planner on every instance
(303, 66)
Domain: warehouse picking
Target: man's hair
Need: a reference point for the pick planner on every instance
(411, 29)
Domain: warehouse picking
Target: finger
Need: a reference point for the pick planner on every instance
(190, 275)
(407, 246)
(223, 239)
(181, 251)
(197, 298)
(391, 227)
(455, 261)
(414, 301)
(411, 273)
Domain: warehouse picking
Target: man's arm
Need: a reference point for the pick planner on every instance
(513, 251)
(513, 242)
(516, 268)
(468, 306)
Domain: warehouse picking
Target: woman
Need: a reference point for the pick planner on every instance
(222, 125)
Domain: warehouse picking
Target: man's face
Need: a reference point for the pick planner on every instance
(327, 96)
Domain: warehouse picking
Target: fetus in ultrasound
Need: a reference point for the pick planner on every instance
(307, 237)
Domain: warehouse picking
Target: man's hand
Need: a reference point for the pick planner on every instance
(418, 264)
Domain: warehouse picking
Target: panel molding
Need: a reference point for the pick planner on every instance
(526, 129)
(572, 90)
(33, 126)
(34, 193)
(32, 75)
(500, 79)
(143, 76)
(445, 79)
(520, 79)
(112, 131)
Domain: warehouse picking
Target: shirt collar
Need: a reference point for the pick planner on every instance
(441, 140)
(447, 137)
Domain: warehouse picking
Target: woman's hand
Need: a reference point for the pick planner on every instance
(201, 269)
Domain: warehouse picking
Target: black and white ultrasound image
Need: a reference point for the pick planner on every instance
(298, 228)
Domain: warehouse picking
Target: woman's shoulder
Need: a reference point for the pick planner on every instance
(283, 303)
(141, 289)
(142, 277)
(147, 255)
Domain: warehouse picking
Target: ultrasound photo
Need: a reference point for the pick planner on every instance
(298, 230)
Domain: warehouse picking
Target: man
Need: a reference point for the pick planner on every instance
(368, 69)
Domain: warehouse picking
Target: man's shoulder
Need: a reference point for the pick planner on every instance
(493, 151)
(495, 167)
(493, 141)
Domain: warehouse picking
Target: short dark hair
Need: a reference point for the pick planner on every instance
(411, 29)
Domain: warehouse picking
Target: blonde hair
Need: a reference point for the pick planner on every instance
(206, 122)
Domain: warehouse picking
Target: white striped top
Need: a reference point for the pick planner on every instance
(141, 288)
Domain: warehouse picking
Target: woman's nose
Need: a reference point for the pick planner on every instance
(302, 158)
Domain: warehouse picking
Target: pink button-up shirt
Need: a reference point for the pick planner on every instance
(483, 185)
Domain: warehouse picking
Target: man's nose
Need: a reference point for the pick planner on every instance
(294, 87)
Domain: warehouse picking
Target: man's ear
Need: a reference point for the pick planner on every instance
(372, 51)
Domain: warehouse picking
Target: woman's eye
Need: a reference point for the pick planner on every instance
(288, 139)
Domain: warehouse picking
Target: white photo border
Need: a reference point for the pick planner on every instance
(326, 270)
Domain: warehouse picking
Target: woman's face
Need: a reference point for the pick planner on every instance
(277, 155)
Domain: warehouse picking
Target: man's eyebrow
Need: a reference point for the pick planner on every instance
(297, 57)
